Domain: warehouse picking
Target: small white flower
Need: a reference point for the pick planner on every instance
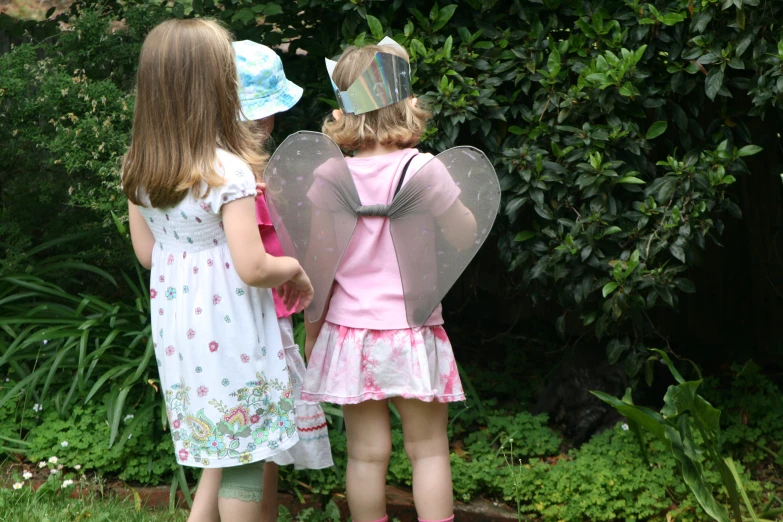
(128, 417)
(77, 467)
(64, 444)
(67, 483)
(27, 475)
(53, 460)
(624, 427)
(37, 407)
(18, 485)
(54, 471)
(59, 466)
(129, 436)
(42, 464)
(45, 341)
(7, 379)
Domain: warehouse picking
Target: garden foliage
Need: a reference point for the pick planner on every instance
(616, 127)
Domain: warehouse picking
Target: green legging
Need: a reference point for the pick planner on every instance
(243, 483)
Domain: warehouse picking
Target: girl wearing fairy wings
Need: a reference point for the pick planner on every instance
(383, 235)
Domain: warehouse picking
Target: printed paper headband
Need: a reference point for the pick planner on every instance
(384, 82)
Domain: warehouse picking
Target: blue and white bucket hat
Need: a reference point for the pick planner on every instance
(263, 87)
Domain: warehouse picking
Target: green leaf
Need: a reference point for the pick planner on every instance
(671, 18)
(376, 29)
(692, 473)
(656, 129)
(714, 82)
(544, 212)
(447, 45)
(677, 251)
(444, 15)
(524, 235)
(516, 130)
(612, 230)
(738, 481)
(666, 359)
(483, 45)
(553, 63)
(749, 150)
(272, 9)
(648, 419)
(609, 288)
(631, 179)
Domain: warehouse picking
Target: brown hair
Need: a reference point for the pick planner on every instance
(187, 105)
(401, 124)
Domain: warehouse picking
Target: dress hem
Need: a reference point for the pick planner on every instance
(257, 457)
(379, 396)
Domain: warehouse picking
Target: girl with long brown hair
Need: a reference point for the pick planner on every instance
(190, 177)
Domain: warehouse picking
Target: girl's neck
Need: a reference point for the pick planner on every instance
(375, 150)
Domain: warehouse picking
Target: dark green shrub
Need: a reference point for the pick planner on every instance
(616, 127)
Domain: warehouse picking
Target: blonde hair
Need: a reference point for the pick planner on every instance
(401, 124)
(187, 105)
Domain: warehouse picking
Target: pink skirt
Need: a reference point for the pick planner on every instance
(353, 365)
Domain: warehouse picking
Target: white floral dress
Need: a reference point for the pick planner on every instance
(221, 360)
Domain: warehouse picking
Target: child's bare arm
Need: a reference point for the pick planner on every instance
(254, 266)
(141, 236)
(459, 225)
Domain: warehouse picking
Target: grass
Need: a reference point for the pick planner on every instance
(26, 506)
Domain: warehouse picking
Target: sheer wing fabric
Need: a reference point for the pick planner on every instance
(439, 219)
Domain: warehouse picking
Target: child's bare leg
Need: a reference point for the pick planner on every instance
(369, 448)
(424, 427)
(269, 499)
(205, 505)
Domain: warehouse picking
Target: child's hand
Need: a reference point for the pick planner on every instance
(298, 289)
(260, 188)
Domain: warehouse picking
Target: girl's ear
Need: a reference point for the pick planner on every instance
(337, 114)
(414, 102)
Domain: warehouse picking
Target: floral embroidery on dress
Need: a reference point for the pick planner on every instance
(191, 333)
(198, 311)
(169, 350)
(240, 292)
(263, 415)
(171, 293)
(153, 293)
(213, 346)
(245, 358)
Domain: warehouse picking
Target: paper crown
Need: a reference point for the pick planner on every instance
(384, 82)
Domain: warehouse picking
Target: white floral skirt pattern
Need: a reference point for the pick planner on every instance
(353, 365)
(313, 450)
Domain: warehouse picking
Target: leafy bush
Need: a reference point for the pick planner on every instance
(610, 124)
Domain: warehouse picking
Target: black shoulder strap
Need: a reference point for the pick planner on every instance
(402, 178)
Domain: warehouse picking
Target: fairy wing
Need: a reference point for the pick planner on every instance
(312, 201)
(439, 220)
